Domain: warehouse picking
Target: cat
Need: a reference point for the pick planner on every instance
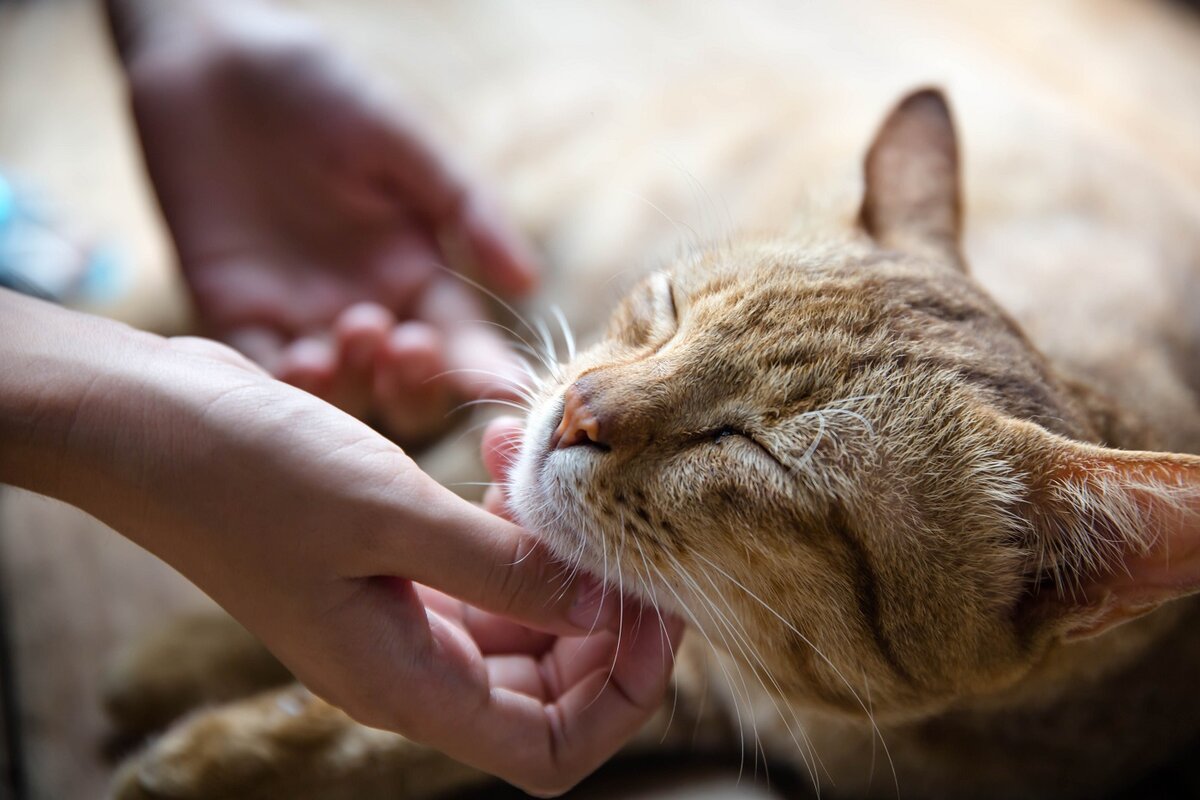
(918, 555)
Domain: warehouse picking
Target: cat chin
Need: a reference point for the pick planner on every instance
(540, 501)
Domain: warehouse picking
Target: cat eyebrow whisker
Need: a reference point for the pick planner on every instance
(547, 340)
(685, 230)
(853, 415)
(568, 336)
(812, 448)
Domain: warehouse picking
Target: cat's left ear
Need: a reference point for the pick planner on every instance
(1117, 534)
(911, 200)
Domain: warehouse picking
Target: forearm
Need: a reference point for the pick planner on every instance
(59, 369)
(100, 415)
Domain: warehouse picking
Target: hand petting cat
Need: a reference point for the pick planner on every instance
(313, 220)
(360, 573)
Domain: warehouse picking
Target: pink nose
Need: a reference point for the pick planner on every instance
(578, 425)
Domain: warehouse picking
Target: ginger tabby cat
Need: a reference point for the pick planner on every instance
(919, 550)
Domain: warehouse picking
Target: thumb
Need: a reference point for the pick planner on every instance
(458, 548)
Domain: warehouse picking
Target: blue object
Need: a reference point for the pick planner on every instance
(40, 258)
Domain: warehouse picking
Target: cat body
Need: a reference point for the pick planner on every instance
(910, 463)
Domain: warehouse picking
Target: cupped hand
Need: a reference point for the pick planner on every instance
(313, 220)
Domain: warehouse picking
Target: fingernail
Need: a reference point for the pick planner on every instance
(595, 608)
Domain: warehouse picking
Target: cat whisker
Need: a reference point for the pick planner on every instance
(813, 761)
(753, 659)
(853, 415)
(486, 401)
(571, 567)
(725, 630)
(648, 588)
(699, 628)
(871, 704)
(620, 620)
(521, 390)
(819, 653)
(522, 344)
(500, 301)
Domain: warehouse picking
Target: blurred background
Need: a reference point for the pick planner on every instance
(612, 132)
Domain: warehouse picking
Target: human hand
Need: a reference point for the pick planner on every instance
(322, 537)
(312, 218)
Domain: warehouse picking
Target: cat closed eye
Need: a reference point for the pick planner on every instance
(721, 434)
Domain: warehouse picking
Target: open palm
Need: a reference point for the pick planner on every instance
(313, 223)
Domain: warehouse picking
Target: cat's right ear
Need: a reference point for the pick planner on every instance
(1116, 532)
(911, 200)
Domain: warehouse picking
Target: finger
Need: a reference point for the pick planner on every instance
(600, 712)
(491, 247)
(517, 674)
(260, 344)
(410, 389)
(572, 658)
(468, 225)
(495, 501)
(481, 360)
(548, 748)
(309, 364)
(450, 687)
(360, 332)
(501, 445)
(463, 551)
(494, 635)
(405, 267)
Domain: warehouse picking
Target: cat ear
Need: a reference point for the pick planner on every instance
(1117, 534)
(911, 201)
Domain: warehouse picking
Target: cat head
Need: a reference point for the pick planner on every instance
(839, 460)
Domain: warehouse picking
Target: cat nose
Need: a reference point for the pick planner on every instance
(578, 424)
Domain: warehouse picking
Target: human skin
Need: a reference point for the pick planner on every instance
(316, 222)
(361, 574)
